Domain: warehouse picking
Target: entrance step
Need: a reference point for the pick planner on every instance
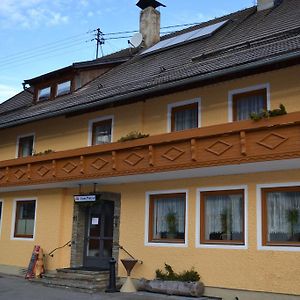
(87, 281)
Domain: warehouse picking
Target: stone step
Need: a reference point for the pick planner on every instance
(78, 276)
(81, 271)
(82, 285)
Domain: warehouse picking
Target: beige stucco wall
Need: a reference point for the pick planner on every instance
(245, 269)
(53, 228)
(150, 116)
(251, 269)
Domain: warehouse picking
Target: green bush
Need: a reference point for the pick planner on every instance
(169, 274)
(43, 153)
(133, 136)
(269, 113)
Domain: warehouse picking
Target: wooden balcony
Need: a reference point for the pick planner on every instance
(276, 138)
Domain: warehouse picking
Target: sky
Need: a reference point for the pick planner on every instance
(39, 36)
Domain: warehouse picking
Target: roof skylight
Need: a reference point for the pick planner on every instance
(186, 37)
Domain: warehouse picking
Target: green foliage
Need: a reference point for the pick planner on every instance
(293, 217)
(169, 274)
(171, 220)
(133, 136)
(43, 153)
(269, 113)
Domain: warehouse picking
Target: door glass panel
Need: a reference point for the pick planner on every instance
(95, 225)
(107, 248)
(93, 248)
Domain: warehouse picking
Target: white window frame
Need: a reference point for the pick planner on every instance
(39, 93)
(91, 123)
(1, 215)
(56, 92)
(198, 216)
(252, 88)
(12, 235)
(260, 245)
(24, 136)
(147, 210)
(182, 103)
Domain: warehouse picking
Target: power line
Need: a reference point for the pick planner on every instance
(71, 41)
(13, 66)
(37, 52)
(164, 27)
(41, 54)
(62, 41)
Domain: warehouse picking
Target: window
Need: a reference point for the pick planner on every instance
(101, 132)
(25, 218)
(63, 88)
(222, 217)
(184, 117)
(281, 216)
(167, 218)
(44, 94)
(249, 102)
(25, 146)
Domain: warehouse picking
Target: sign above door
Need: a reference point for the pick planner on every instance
(85, 198)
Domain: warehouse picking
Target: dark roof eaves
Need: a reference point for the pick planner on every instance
(84, 65)
(158, 88)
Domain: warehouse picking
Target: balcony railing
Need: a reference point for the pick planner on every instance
(276, 138)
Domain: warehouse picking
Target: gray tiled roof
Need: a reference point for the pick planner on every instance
(249, 38)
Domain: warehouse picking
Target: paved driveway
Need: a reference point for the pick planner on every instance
(15, 288)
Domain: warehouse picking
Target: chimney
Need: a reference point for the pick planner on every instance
(150, 21)
(266, 4)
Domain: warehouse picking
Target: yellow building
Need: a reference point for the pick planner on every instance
(209, 188)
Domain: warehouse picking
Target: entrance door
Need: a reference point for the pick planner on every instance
(99, 235)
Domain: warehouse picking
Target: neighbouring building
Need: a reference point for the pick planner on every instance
(209, 187)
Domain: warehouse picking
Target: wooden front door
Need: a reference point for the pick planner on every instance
(99, 235)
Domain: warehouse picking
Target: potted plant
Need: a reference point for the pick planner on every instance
(293, 218)
(186, 283)
(171, 219)
(226, 217)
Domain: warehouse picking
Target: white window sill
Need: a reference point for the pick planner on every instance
(230, 247)
(172, 245)
(279, 248)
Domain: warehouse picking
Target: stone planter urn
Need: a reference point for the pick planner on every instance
(179, 288)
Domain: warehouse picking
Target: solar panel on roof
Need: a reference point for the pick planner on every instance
(186, 37)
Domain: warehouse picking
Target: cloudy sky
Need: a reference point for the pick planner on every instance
(38, 36)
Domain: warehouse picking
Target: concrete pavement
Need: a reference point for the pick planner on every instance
(16, 288)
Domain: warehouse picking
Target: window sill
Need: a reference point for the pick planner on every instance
(283, 248)
(223, 246)
(176, 244)
(29, 239)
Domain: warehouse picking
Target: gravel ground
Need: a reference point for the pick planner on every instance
(16, 288)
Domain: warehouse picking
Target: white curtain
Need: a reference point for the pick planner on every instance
(248, 105)
(25, 227)
(283, 215)
(163, 207)
(185, 119)
(223, 215)
(103, 134)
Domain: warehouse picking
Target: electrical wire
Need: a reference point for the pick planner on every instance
(47, 45)
(35, 55)
(57, 46)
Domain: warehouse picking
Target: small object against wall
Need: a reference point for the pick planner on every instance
(36, 264)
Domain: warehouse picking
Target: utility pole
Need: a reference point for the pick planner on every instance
(100, 41)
